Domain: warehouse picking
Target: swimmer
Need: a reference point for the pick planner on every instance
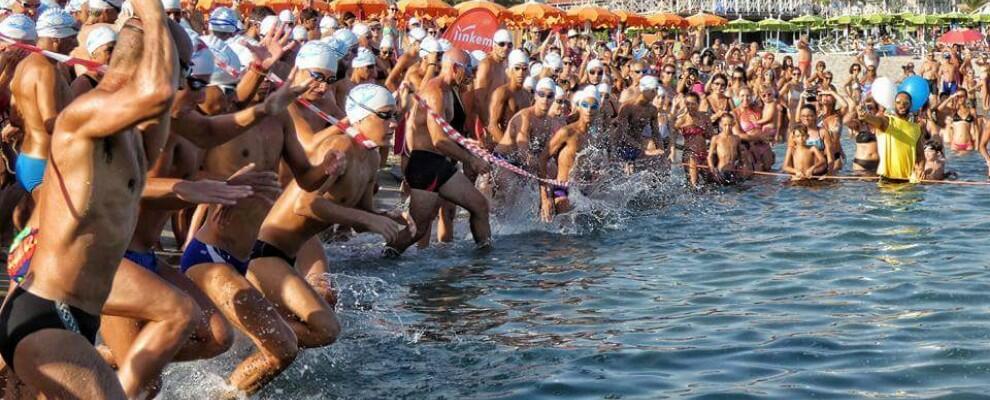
(431, 171)
(409, 58)
(695, 128)
(566, 143)
(362, 71)
(637, 70)
(492, 74)
(934, 168)
(802, 161)
(635, 129)
(100, 166)
(508, 99)
(728, 161)
(99, 46)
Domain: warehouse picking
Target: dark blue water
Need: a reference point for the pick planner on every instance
(772, 291)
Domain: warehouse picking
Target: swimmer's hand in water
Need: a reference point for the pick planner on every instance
(385, 226)
(208, 191)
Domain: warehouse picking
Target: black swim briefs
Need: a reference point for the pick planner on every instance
(264, 249)
(428, 171)
(25, 314)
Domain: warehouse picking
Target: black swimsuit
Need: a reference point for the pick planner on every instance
(25, 314)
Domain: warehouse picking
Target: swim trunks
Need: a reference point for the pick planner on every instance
(428, 171)
(201, 253)
(962, 146)
(559, 192)
(19, 256)
(24, 314)
(30, 171)
(949, 88)
(264, 249)
(869, 165)
(146, 259)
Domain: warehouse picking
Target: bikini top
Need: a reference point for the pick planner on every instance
(692, 131)
(957, 118)
(817, 142)
(866, 137)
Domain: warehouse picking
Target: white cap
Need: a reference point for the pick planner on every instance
(417, 34)
(476, 57)
(336, 46)
(445, 44)
(553, 61)
(502, 36)
(413, 21)
(287, 17)
(364, 99)
(56, 23)
(648, 82)
(267, 24)
(602, 89)
(571, 33)
(244, 55)
(19, 27)
(535, 69)
(328, 22)
(429, 45)
(299, 33)
(98, 37)
(222, 53)
(173, 5)
(363, 59)
(223, 19)
(529, 83)
(387, 42)
(594, 64)
(559, 93)
(517, 57)
(104, 4)
(360, 29)
(589, 92)
(202, 61)
(71, 6)
(546, 84)
(317, 54)
(346, 37)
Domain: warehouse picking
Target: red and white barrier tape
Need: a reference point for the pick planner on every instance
(351, 131)
(477, 151)
(62, 58)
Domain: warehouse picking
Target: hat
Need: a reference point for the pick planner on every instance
(429, 45)
(535, 69)
(287, 17)
(19, 27)
(363, 59)
(317, 54)
(387, 42)
(517, 57)
(223, 19)
(346, 37)
(553, 61)
(571, 33)
(445, 45)
(56, 23)
(267, 24)
(104, 4)
(602, 88)
(173, 5)
(365, 99)
(328, 22)
(360, 29)
(529, 83)
(546, 84)
(589, 92)
(648, 82)
(559, 93)
(71, 6)
(98, 37)
(476, 57)
(502, 36)
(413, 21)
(338, 48)
(593, 64)
(202, 62)
(417, 34)
(299, 33)
(244, 55)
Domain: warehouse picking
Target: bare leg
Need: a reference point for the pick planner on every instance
(311, 318)
(312, 263)
(422, 208)
(212, 335)
(460, 191)
(445, 222)
(72, 369)
(139, 294)
(252, 314)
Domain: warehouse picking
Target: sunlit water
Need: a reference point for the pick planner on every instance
(766, 290)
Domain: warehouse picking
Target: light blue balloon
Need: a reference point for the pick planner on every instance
(917, 87)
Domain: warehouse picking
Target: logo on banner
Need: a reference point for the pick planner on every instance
(473, 30)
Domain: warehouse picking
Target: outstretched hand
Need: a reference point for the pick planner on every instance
(289, 92)
(273, 46)
(208, 191)
(264, 184)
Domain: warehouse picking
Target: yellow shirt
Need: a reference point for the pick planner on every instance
(897, 146)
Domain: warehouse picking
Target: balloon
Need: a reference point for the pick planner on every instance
(917, 87)
(883, 92)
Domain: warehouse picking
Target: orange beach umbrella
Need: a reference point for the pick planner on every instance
(427, 8)
(492, 6)
(597, 16)
(631, 19)
(668, 20)
(706, 20)
(360, 7)
(532, 11)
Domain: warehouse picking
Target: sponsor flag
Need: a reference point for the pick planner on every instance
(473, 30)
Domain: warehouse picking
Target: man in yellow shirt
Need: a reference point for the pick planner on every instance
(899, 141)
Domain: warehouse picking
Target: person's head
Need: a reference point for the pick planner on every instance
(413, 23)
(572, 37)
(371, 109)
(103, 11)
(20, 28)
(696, 58)
(501, 44)
(518, 67)
(348, 19)
(543, 95)
(223, 23)
(692, 102)
(429, 51)
(934, 150)
(739, 76)
(718, 83)
(221, 93)
(787, 62)
(827, 79)
(100, 44)
(648, 86)
(386, 47)
(553, 65)
(871, 72)
(767, 60)
(328, 25)
(349, 41)
(799, 133)
(318, 61)
(855, 69)
(309, 18)
(667, 74)
(197, 71)
(363, 34)
(734, 55)
(963, 99)
(808, 115)
(587, 102)
(744, 97)
(768, 95)
(636, 70)
(26, 7)
(56, 31)
(596, 72)
(726, 123)
(902, 104)
(456, 68)
(363, 65)
(560, 107)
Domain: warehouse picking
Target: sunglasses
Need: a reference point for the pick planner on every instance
(564, 82)
(322, 78)
(432, 32)
(504, 44)
(637, 71)
(588, 105)
(228, 90)
(668, 72)
(195, 84)
(596, 72)
(718, 83)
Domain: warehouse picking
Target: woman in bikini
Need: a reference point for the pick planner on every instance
(867, 157)
(853, 83)
(695, 128)
(750, 118)
(716, 103)
(833, 108)
(962, 125)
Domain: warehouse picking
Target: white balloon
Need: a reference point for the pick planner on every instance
(883, 91)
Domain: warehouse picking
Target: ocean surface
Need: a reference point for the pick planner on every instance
(761, 291)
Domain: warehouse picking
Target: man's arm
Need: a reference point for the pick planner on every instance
(557, 142)
(177, 194)
(482, 91)
(877, 122)
(496, 110)
(312, 177)
(434, 100)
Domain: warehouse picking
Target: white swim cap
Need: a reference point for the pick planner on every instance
(444, 45)
(171, 5)
(502, 36)
(553, 61)
(546, 84)
(365, 99)
(104, 4)
(359, 29)
(589, 92)
(223, 19)
(413, 21)
(594, 64)
(417, 34)
(287, 17)
(559, 93)
(56, 23)
(244, 55)
(328, 22)
(202, 62)
(346, 37)
(299, 33)
(429, 45)
(19, 27)
(388, 42)
(535, 69)
(267, 24)
(364, 58)
(339, 48)
(476, 57)
(222, 53)
(517, 57)
(648, 82)
(98, 37)
(602, 89)
(529, 83)
(70, 7)
(571, 33)
(317, 55)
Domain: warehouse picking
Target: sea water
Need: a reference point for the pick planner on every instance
(764, 290)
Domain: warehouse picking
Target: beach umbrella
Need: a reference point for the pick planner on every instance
(492, 6)
(808, 20)
(597, 16)
(953, 17)
(845, 20)
(961, 36)
(706, 20)
(739, 25)
(427, 8)
(360, 7)
(629, 19)
(877, 19)
(773, 24)
(667, 20)
(981, 18)
(533, 11)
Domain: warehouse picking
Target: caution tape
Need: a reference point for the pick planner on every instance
(62, 58)
(351, 131)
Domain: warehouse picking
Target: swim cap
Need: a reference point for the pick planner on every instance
(535, 69)
(222, 53)
(98, 37)
(553, 61)
(104, 4)
(387, 42)
(502, 36)
(444, 45)
(571, 33)
(345, 36)
(602, 88)
(173, 5)
(589, 92)
(594, 64)
(299, 33)
(244, 55)
(223, 19)
(365, 99)
(360, 29)
(267, 24)
(202, 62)
(287, 17)
(413, 21)
(338, 48)
(546, 84)
(327, 23)
(517, 57)
(318, 55)
(559, 93)
(648, 82)
(429, 45)
(56, 23)
(477, 56)
(364, 58)
(418, 34)
(19, 27)
(529, 83)
(70, 7)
